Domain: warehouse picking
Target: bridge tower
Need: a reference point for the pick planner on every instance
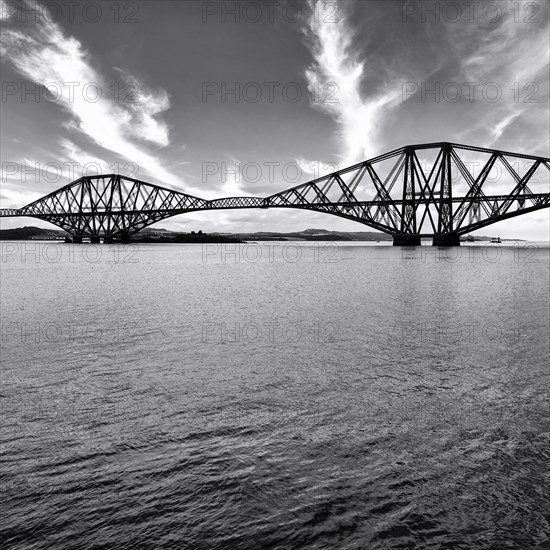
(445, 235)
(408, 235)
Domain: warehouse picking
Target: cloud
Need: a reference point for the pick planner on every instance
(313, 169)
(45, 55)
(340, 72)
(145, 104)
(498, 129)
(487, 57)
(10, 198)
(522, 76)
(232, 180)
(87, 164)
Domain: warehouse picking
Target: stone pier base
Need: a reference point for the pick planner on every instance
(406, 240)
(447, 240)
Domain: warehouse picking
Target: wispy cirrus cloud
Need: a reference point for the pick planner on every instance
(313, 169)
(338, 62)
(86, 163)
(486, 48)
(13, 198)
(370, 68)
(44, 54)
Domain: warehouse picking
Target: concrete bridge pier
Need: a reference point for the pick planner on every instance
(77, 240)
(108, 239)
(406, 240)
(95, 239)
(450, 239)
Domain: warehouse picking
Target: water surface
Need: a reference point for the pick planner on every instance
(312, 395)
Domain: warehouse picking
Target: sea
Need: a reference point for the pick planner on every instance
(281, 395)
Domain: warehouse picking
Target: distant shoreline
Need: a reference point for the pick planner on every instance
(162, 236)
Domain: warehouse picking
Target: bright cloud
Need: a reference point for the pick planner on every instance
(45, 55)
(313, 169)
(522, 77)
(338, 70)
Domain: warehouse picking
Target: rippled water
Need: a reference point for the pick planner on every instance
(270, 396)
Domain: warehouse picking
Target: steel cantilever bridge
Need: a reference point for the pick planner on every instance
(437, 190)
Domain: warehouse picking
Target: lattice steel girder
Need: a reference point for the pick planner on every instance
(410, 199)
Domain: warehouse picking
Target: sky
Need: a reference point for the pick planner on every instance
(250, 98)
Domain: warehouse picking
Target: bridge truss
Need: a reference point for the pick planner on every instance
(438, 190)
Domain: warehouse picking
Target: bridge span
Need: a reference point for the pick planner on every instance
(437, 190)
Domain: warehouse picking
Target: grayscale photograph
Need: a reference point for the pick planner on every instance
(274, 274)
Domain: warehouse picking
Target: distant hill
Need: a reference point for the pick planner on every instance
(313, 235)
(158, 235)
(29, 233)
(163, 235)
(148, 235)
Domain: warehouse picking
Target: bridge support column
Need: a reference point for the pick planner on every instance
(108, 240)
(450, 239)
(94, 239)
(77, 240)
(406, 240)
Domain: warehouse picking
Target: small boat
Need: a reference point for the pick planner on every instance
(496, 240)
